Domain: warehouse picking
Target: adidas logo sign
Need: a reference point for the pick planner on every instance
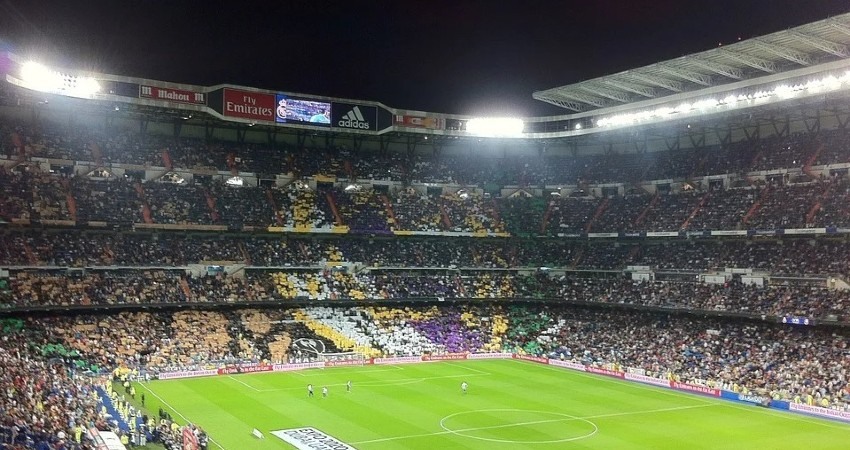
(354, 119)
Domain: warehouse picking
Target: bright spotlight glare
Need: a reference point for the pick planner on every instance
(39, 77)
(782, 92)
(86, 86)
(494, 127)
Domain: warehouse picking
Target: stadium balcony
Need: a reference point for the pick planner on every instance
(153, 200)
(776, 297)
(66, 249)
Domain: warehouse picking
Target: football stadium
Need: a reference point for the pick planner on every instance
(663, 264)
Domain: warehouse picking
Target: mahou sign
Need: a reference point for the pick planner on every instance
(172, 95)
(249, 105)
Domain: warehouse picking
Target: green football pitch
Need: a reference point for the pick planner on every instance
(509, 405)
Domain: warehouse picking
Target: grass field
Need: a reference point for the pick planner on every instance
(510, 405)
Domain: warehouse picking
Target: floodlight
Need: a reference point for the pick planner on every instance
(39, 76)
(831, 82)
(86, 87)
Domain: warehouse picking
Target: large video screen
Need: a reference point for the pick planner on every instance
(303, 111)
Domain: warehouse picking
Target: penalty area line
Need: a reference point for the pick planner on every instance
(178, 413)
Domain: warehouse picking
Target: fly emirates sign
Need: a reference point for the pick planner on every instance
(249, 105)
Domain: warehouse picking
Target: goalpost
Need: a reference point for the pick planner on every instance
(343, 359)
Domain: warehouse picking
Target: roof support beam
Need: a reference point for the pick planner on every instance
(697, 78)
(630, 87)
(840, 26)
(571, 105)
(822, 44)
(575, 96)
(670, 85)
(722, 69)
(752, 61)
(783, 52)
(574, 106)
(607, 93)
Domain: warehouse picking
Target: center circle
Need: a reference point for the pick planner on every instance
(521, 418)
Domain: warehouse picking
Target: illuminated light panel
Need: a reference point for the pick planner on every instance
(495, 127)
(784, 91)
(43, 79)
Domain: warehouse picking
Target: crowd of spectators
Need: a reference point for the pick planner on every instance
(570, 215)
(297, 207)
(804, 365)
(114, 200)
(362, 209)
(521, 215)
(116, 287)
(242, 205)
(16, 195)
(785, 206)
(471, 213)
(780, 297)
(46, 402)
(779, 203)
(724, 209)
(413, 211)
(672, 211)
(790, 152)
(813, 258)
(622, 213)
(116, 145)
(175, 204)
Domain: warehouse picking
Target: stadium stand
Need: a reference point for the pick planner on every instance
(146, 253)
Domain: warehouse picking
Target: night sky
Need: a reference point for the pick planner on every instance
(463, 56)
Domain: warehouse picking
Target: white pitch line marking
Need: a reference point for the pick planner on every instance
(618, 382)
(467, 368)
(242, 383)
(178, 413)
(388, 383)
(661, 390)
(536, 422)
(788, 415)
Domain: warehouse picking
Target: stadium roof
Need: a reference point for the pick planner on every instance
(803, 46)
